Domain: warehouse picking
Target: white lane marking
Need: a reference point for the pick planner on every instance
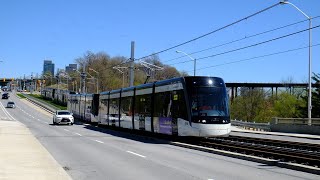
(6, 112)
(136, 154)
(99, 141)
(66, 129)
(78, 134)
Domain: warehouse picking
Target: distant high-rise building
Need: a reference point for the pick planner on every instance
(71, 67)
(48, 66)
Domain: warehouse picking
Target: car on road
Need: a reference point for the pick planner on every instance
(63, 117)
(5, 96)
(11, 104)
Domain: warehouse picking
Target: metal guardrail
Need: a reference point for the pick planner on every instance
(41, 103)
(251, 125)
(296, 121)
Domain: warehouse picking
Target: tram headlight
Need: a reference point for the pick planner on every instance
(210, 82)
(204, 121)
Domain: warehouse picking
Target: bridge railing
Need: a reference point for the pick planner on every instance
(296, 121)
(251, 125)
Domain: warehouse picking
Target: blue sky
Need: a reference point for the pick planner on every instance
(63, 30)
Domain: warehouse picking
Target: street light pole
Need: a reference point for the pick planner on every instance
(194, 61)
(122, 72)
(310, 61)
(79, 81)
(97, 78)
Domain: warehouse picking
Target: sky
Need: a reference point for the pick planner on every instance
(256, 49)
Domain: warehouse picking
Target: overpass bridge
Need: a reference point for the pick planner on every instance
(5, 81)
(235, 88)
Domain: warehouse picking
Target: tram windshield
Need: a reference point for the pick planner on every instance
(209, 101)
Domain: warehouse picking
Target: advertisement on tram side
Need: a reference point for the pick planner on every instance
(165, 125)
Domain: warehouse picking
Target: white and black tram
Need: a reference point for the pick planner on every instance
(185, 106)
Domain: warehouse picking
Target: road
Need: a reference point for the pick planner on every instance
(88, 152)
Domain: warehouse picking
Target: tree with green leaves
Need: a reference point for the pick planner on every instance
(315, 100)
(251, 105)
(111, 78)
(287, 105)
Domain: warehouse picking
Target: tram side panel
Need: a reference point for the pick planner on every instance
(113, 113)
(142, 109)
(126, 111)
(169, 108)
(82, 105)
(75, 107)
(87, 106)
(103, 109)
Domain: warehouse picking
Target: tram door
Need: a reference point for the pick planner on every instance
(174, 112)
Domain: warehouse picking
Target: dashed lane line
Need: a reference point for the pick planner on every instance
(136, 154)
(78, 134)
(99, 141)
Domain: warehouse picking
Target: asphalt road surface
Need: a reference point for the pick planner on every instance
(88, 152)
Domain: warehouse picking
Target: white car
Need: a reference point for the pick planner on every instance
(63, 117)
(11, 104)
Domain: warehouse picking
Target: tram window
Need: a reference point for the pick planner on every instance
(104, 102)
(162, 106)
(126, 106)
(143, 105)
(170, 104)
(180, 105)
(114, 106)
(104, 106)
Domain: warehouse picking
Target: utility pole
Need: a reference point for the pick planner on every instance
(132, 64)
(83, 78)
(31, 83)
(24, 82)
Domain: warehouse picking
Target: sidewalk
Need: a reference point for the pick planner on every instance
(23, 157)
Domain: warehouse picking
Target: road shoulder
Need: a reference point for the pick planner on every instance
(23, 157)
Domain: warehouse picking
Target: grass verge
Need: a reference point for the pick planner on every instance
(21, 95)
(48, 101)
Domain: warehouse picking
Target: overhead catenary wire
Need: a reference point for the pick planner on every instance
(246, 47)
(202, 36)
(241, 39)
(211, 32)
(256, 57)
(234, 50)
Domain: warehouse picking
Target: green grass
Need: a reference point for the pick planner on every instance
(21, 95)
(48, 101)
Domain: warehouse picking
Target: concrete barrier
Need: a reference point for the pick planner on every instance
(41, 103)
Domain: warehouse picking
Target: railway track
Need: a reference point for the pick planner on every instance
(287, 154)
(283, 151)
